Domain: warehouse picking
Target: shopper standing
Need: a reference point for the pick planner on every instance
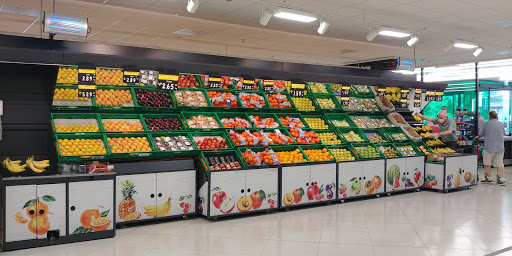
(493, 132)
(481, 122)
(447, 129)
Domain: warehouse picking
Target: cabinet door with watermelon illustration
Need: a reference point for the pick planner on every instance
(262, 188)
(415, 172)
(395, 174)
(134, 193)
(91, 206)
(295, 182)
(350, 175)
(175, 193)
(20, 221)
(323, 183)
(373, 177)
(227, 192)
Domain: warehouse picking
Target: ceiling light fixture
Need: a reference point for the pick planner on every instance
(265, 16)
(192, 5)
(324, 24)
(478, 51)
(413, 41)
(464, 45)
(372, 35)
(55, 23)
(393, 32)
(295, 15)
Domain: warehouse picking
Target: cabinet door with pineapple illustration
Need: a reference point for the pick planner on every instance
(134, 194)
(262, 187)
(51, 208)
(175, 193)
(91, 206)
(295, 182)
(373, 176)
(349, 176)
(227, 188)
(20, 214)
(323, 183)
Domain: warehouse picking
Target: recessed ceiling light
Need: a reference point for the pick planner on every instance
(295, 15)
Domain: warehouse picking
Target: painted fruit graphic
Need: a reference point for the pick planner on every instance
(184, 203)
(88, 216)
(257, 199)
(472, 181)
(100, 224)
(39, 225)
(37, 209)
(377, 181)
(228, 205)
(244, 204)
(467, 176)
(318, 197)
(289, 199)
(19, 218)
(369, 187)
(313, 189)
(158, 210)
(396, 183)
(132, 216)
(93, 220)
(297, 195)
(127, 205)
(355, 188)
(218, 197)
(457, 180)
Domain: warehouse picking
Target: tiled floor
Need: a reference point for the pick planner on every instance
(471, 222)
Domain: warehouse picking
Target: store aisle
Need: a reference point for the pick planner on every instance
(472, 222)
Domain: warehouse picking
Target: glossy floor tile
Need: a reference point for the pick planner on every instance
(471, 222)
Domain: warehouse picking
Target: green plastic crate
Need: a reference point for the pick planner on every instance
(333, 91)
(127, 108)
(203, 158)
(385, 145)
(262, 94)
(191, 108)
(355, 147)
(155, 109)
(187, 115)
(218, 80)
(75, 118)
(337, 105)
(395, 130)
(305, 130)
(357, 106)
(309, 85)
(421, 143)
(241, 151)
(370, 100)
(379, 132)
(294, 115)
(380, 123)
(356, 92)
(200, 79)
(348, 148)
(280, 110)
(307, 147)
(81, 158)
(101, 68)
(322, 117)
(89, 105)
(333, 132)
(344, 131)
(221, 134)
(159, 152)
(68, 67)
(283, 131)
(414, 148)
(364, 123)
(243, 115)
(218, 108)
(334, 117)
(264, 116)
(248, 82)
(131, 154)
(290, 148)
(105, 117)
(313, 102)
(156, 116)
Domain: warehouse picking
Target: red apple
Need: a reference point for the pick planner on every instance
(217, 198)
(313, 190)
(228, 206)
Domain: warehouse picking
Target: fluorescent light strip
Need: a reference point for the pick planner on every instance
(465, 45)
(294, 15)
(393, 33)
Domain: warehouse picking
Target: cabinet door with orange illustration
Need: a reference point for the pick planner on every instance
(19, 213)
(51, 207)
(295, 182)
(176, 193)
(135, 197)
(262, 188)
(91, 206)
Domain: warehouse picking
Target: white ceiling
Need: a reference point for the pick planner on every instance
(231, 28)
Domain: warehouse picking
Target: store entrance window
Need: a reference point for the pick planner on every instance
(499, 101)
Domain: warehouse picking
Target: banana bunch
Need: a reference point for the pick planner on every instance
(158, 210)
(435, 143)
(37, 166)
(13, 166)
(423, 128)
(417, 117)
(443, 150)
(425, 135)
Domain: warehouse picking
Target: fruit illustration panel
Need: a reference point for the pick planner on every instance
(227, 192)
(50, 206)
(323, 183)
(91, 206)
(133, 193)
(469, 167)
(395, 174)
(350, 175)
(415, 172)
(201, 200)
(262, 188)
(434, 176)
(454, 175)
(295, 182)
(373, 177)
(176, 193)
(16, 216)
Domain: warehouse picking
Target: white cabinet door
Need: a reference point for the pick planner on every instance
(415, 172)
(454, 176)
(295, 181)
(89, 201)
(133, 193)
(469, 167)
(17, 219)
(395, 174)
(54, 197)
(434, 174)
(227, 192)
(179, 188)
(349, 176)
(323, 182)
(262, 186)
(373, 177)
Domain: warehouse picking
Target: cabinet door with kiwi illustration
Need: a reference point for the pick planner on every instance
(91, 206)
(323, 183)
(135, 194)
(227, 191)
(295, 182)
(262, 187)
(176, 193)
(20, 214)
(350, 179)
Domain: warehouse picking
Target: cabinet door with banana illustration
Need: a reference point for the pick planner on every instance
(176, 193)
(135, 193)
(91, 206)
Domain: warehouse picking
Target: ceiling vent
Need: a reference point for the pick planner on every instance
(20, 11)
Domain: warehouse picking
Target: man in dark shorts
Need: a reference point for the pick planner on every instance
(447, 127)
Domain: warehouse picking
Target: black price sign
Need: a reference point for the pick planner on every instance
(214, 82)
(131, 77)
(345, 101)
(248, 85)
(403, 103)
(86, 91)
(298, 90)
(417, 103)
(430, 95)
(381, 92)
(168, 82)
(86, 76)
(439, 96)
(417, 94)
(404, 94)
(268, 86)
(345, 91)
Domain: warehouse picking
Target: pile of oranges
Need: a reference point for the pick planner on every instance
(129, 145)
(67, 75)
(264, 157)
(289, 157)
(260, 122)
(246, 138)
(114, 98)
(67, 94)
(252, 100)
(278, 100)
(223, 99)
(109, 76)
(80, 147)
(315, 155)
(279, 86)
(77, 128)
(226, 82)
(293, 122)
(304, 137)
(118, 125)
(236, 122)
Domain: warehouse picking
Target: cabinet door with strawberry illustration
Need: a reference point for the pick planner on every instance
(227, 192)
(373, 177)
(323, 183)
(91, 206)
(415, 172)
(261, 189)
(175, 193)
(295, 181)
(350, 175)
(134, 193)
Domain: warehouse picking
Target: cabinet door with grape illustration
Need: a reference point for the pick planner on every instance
(134, 193)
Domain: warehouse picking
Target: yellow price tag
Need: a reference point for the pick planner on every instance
(131, 73)
(168, 77)
(214, 79)
(89, 87)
